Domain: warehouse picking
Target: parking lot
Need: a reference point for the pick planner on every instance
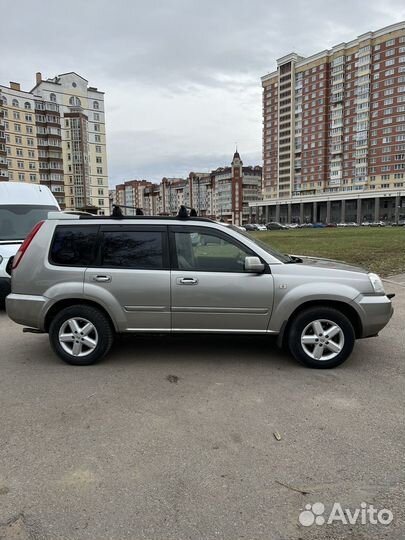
(175, 437)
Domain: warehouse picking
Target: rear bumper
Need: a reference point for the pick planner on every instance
(26, 309)
(5, 288)
(375, 312)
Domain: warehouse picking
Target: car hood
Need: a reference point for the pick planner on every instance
(9, 249)
(330, 263)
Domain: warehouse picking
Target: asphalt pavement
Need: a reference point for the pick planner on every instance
(199, 437)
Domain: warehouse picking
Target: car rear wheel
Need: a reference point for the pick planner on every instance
(321, 337)
(81, 335)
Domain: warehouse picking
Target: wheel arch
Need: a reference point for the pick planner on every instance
(343, 307)
(68, 302)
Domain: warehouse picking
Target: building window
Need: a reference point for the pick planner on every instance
(17, 127)
(73, 100)
(99, 170)
(96, 117)
(96, 105)
(20, 164)
(98, 149)
(99, 160)
(33, 177)
(15, 103)
(52, 97)
(16, 115)
(97, 138)
(27, 105)
(96, 127)
(21, 177)
(19, 152)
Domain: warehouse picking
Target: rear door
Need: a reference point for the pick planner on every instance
(210, 289)
(133, 272)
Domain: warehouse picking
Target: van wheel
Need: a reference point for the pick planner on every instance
(321, 337)
(80, 335)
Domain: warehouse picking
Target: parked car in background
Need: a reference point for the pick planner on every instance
(83, 279)
(319, 225)
(261, 228)
(21, 207)
(292, 225)
(331, 225)
(377, 224)
(306, 225)
(366, 224)
(352, 224)
(275, 226)
(400, 223)
(250, 227)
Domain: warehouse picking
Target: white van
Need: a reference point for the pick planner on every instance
(21, 207)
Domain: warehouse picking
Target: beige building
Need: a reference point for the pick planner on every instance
(55, 135)
(83, 138)
(20, 154)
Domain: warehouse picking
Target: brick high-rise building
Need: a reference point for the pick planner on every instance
(334, 132)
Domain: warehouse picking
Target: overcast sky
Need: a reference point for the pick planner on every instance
(181, 77)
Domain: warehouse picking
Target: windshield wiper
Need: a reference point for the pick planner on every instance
(293, 259)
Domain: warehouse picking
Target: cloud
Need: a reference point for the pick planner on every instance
(182, 77)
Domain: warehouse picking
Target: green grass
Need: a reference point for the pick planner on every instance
(380, 250)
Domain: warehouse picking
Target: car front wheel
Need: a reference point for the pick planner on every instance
(321, 337)
(81, 335)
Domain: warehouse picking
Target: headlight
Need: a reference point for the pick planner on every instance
(376, 283)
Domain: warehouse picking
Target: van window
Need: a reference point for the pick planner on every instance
(16, 221)
(74, 246)
(133, 249)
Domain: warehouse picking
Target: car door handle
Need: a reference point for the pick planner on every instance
(187, 281)
(102, 279)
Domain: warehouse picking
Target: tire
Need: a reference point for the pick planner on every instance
(85, 328)
(308, 338)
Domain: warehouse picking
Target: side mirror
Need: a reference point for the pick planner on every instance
(254, 265)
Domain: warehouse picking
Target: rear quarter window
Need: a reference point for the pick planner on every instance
(74, 245)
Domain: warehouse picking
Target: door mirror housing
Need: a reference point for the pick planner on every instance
(254, 265)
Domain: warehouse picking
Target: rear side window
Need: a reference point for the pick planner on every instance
(133, 249)
(74, 245)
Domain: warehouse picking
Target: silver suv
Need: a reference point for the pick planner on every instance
(82, 279)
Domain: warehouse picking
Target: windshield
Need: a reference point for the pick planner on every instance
(277, 254)
(16, 221)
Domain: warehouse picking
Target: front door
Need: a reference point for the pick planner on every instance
(132, 276)
(210, 289)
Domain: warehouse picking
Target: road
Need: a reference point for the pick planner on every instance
(173, 438)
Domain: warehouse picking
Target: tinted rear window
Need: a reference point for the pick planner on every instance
(133, 249)
(74, 246)
(16, 221)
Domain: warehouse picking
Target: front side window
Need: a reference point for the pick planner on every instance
(209, 252)
(142, 250)
(74, 246)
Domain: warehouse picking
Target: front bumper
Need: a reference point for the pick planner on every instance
(375, 312)
(5, 288)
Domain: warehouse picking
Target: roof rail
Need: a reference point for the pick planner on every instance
(140, 218)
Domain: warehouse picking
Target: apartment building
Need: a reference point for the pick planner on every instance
(55, 135)
(334, 132)
(20, 151)
(224, 193)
